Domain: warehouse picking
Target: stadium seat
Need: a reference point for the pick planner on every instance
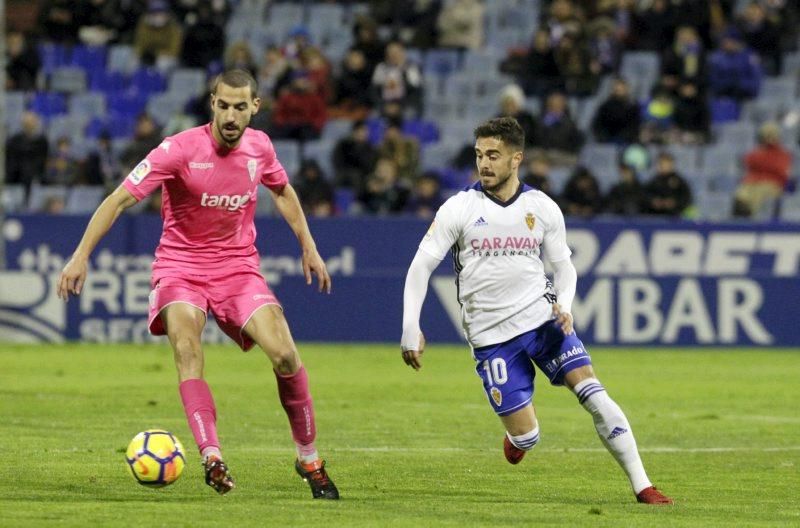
(336, 129)
(715, 206)
(13, 198)
(121, 58)
(721, 159)
(48, 104)
(52, 56)
(67, 125)
(68, 79)
(286, 14)
(89, 58)
(724, 110)
(438, 156)
(84, 199)
(189, 81)
(265, 206)
(790, 207)
(739, 133)
(599, 157)
(558, 177)
(162, 107)
(442, 62)
(40, 194)
(88, 104)
(778, 87)
(146, 81)
(127, 104)
(687, 157)
(637, 64)
(321, 151)
(15, 106)
(108, 82)
(288, 152)
(425, 131)
(479, 62)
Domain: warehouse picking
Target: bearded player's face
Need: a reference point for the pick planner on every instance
(233, 109)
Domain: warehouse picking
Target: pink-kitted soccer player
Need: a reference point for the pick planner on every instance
(207, 261)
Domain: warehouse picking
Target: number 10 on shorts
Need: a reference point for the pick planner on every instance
(496, 373)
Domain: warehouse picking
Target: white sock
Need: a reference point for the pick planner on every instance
(526, 441)
(307, 456)
(614, 430)
(209, 451)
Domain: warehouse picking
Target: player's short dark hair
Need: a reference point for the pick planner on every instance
(506, 129)
(237, 79)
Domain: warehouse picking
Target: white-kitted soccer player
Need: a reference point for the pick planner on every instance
(512, 315)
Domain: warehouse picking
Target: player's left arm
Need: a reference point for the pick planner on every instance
(288, 204)
(565, 277)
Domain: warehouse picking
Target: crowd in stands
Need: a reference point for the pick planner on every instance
(677, 108)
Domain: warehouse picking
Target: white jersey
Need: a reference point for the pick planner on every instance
(496, 249)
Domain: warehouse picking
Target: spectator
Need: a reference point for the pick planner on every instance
(604, 46)
(100, 22)
(59, 21)
(367, 41)
(102, 166)
(512, 104)
(314, 190)
(692, 117)
(354, 158)
(763, 36)
(273, 74)
(396, 80)
(426, 196)
(572, 58)
(658, 116)
(402, 149)
(300, 112)
(539, 74)
(562, 18)
(656, 26)
(159, 35)
(734, 70)
(353, 84)
(26, 152)
(383, 192)
(239, 56)
(684, 61)
(617, 120)
(581, 196)
(626, 197)
(667, 193)
(146, 137)
(204, 41)
(556, 133)
(62, 167)
(54, 205)
(766, 173)
(23, 62)
(538, 174)
(460, 24)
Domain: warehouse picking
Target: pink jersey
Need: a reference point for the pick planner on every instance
(209, 199)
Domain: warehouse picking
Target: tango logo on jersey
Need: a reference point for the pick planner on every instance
(140, 171)
(530, 220)
(497, 396)
(225, 201)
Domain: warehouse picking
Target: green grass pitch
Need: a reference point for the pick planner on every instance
(719, 431)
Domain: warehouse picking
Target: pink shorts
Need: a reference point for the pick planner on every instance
(232, 299)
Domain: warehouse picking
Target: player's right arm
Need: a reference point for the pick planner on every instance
(440, 237)
(74, 273)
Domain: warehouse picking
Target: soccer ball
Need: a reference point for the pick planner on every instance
(155, 458)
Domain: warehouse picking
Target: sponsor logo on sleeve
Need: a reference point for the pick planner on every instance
(140, 172)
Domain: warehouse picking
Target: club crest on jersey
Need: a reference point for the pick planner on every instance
(140, 171)
(251, 168)
(497, 396)
(530, 220)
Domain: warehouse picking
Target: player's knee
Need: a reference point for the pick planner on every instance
(526, 441)
(285, 362)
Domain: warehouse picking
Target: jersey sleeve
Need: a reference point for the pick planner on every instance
(443, 232)
(273, 175)
(163, 163)
(555, 236)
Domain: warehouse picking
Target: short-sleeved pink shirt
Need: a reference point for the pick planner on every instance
(209, 199)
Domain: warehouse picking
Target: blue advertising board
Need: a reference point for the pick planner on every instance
(642, 283)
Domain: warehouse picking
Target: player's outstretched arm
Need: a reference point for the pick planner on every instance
(74, 273)
(289, 206)
(412, 344)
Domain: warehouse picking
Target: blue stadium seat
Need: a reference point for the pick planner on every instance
(48, 104)
(321, 151)
(127, 104)
(343, 200)
(108, 82)
(147, 81)
(425, 131)
(89, 58)
(724, 110)
(52, 56)
(84, 199)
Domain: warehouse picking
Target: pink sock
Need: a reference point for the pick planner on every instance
(201, 413)
(296, 400)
